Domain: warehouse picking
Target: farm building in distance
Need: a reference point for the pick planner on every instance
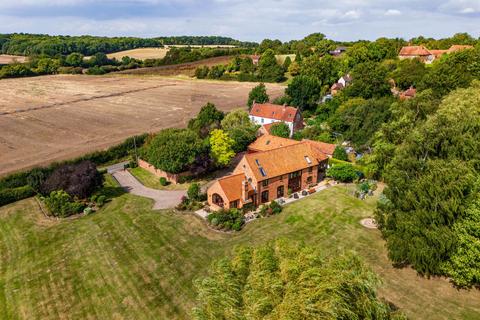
(428, 56)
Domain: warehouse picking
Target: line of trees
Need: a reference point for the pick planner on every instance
(40, 44)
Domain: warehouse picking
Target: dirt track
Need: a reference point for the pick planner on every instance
(51, 118)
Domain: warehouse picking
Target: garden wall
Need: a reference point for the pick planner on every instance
(174, 178)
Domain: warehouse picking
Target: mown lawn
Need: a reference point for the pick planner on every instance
(150, 180)
(129, 262)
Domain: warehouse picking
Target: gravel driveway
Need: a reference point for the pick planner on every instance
(163, 198)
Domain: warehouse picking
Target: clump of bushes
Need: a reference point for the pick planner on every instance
(60, 204)
(227, 220)
(194, 199)
(273, 208)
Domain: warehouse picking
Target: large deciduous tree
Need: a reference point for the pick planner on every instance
(280, 129)
(221, 147)
(369, 81)
(78, 180)
(173, 150)
(240, 128)
(304, 92)
(258, 94)
(208, 118)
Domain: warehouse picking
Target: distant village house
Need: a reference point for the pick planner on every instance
(428, 56)
(265, 114)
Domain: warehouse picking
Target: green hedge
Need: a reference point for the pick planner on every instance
(357, 167)
(15, 194)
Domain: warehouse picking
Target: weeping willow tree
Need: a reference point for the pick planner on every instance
(433, 178)
(285, 281)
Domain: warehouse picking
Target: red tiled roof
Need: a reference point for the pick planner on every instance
(411, 92)
(337, 86)
(274, 111)
(438, 53)
(414, 51)
(269, 142)
(457, 47)
(323, 147)
(283, 160)
(232, 186)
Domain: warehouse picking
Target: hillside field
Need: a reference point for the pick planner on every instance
(8, 59)
(140, 54)
(51, 118)
(129, 262)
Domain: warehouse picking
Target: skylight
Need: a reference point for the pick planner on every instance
(262, 171)
(308, 160)
(257, 162)
(268, 142)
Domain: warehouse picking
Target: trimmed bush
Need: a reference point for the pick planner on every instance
(163, 181)
(342, 173)
(15, 194)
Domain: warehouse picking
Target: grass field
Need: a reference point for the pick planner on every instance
(129, 262)
(7, 59)
(140, 54)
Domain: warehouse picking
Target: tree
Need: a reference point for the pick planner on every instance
(340, 153)
(60, 204)
(464, 264)
(240, 128)
(74, 59)
(202, 72)
(432, 180)
(409, 73)
(268, 68)
(208, 118)
(78, 180)
(280, 129)
(221, 147)
(258, 94)
(304, 92)
(193, 191)
(173, 150)
(324, 69)
(287, 63)
(47, 66)
(369, 81)
(282, 280)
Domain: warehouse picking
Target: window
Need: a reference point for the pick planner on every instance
(281, 178)
(294, 174)
(265, 196)
(309, 179)
(280, 191)
(308, 160)
(265, 183)
(234, 204)
(310, 170)
(261, 120)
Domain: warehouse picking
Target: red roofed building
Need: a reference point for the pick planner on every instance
(408, 94)
(418, 52)
(270, 172)
(267, 113)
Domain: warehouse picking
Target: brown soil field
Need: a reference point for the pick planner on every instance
(7, 59)
(187, 69)
(52, 118)
(140, 54)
